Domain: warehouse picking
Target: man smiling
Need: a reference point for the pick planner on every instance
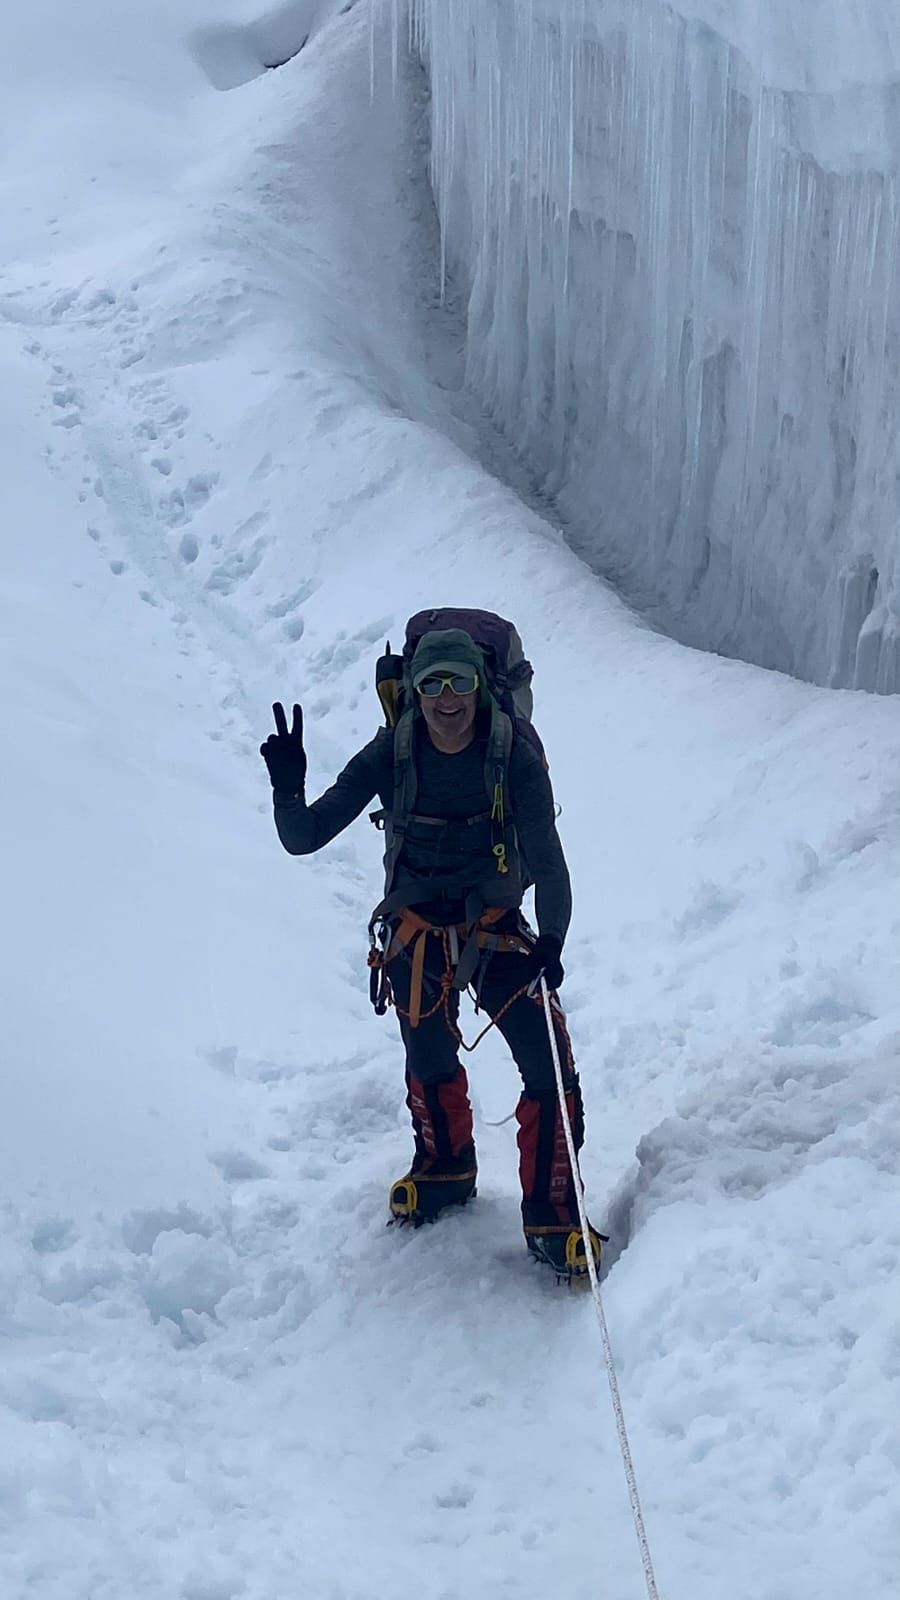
(469, 821)
(447, 699)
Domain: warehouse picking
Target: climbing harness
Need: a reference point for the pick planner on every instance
(467, 948)
(589, 1262)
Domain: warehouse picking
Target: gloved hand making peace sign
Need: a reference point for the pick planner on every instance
(283, 752)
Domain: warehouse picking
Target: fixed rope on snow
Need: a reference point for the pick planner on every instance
(633, 1496)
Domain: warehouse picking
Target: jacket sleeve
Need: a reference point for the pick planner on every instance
(304, 829)
(535, 818)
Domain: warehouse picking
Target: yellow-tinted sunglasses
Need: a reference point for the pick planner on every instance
(459, 682)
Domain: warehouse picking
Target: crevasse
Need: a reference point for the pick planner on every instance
(678, 235)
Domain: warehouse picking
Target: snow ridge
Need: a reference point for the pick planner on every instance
(681, 262)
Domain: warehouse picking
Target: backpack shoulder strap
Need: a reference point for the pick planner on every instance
(499, 748)
(496, 781)
(404, 766)
(405, 786)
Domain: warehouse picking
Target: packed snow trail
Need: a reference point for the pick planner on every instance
(235, 460)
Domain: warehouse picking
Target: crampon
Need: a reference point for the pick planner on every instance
(564, 1250)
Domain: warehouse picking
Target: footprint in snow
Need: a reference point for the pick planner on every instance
(423, 1444)
(457, 1498)
(711, 905)
(67, 396)
(141, 1229)
(290, 602)
(181, 504)
(62, 304)
(236, 568)
(67, 399)
(52, 1235)
(346, 650)
(238, 1166)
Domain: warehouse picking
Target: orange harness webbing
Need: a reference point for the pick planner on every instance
(413, 931)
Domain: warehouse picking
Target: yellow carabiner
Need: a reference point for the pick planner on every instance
(500, 853)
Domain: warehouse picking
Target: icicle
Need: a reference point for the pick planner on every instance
(395, 45)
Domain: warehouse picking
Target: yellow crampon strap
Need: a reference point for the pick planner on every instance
(576, 1251)
(404, 1198)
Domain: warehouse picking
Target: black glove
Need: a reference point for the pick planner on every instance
(283, 753)
(544, 958)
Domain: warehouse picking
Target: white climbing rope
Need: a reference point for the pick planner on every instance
(633, 1495)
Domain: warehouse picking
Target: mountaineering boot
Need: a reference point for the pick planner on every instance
(549, 1210)
(430, 1187)
(444, 1169)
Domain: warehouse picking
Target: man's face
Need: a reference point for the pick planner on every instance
(449, 716)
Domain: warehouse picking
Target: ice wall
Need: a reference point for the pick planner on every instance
(679, 237)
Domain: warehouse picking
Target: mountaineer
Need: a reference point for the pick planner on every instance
(469, 820)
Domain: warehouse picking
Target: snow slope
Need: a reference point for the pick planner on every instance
(236, 454)
(677, 227)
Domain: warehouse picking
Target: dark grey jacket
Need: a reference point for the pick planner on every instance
(451, 788)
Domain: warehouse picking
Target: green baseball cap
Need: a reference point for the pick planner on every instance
(446, 650)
